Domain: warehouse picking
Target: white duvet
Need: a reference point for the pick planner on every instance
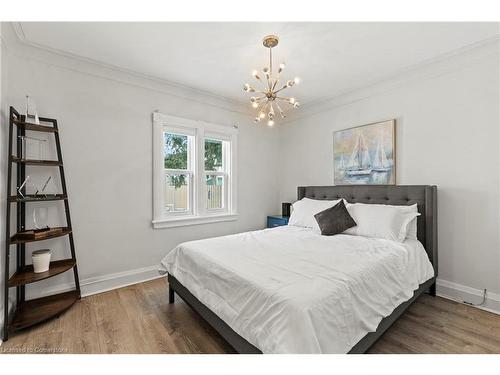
(291, 290)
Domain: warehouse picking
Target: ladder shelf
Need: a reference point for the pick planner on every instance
(30, 312)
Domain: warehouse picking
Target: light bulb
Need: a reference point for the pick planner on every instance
(291, 100)
(282, 66)
(262, 115)
(296, 105)
(270, 123)
(253, 99)
(255, 73)
(248, 88)
(255, 104)
(257, 119)
(290, 83)
(296, 80)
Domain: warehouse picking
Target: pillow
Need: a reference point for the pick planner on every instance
(411, 230)
(305, 209)
(334, 220)
(381, 221)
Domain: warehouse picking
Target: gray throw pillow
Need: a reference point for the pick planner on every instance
(334, 220)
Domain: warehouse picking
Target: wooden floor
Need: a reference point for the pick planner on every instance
(138, 319)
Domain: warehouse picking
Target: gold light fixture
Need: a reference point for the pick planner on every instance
(267, 103)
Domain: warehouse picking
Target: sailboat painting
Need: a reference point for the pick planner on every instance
(365, 154)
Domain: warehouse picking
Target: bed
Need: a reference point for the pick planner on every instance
(284, 290)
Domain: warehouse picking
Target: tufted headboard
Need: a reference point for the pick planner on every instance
(425, 196)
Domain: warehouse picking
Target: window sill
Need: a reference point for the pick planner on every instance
(192, 220)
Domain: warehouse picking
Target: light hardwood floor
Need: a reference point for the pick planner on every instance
(138, 319)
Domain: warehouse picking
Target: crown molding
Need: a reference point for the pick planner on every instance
(440, 65)
(18, 30)
(24, 48)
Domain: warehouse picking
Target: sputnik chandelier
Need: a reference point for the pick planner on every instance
(268, 101)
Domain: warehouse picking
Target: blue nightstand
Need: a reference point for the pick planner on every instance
(277, 221)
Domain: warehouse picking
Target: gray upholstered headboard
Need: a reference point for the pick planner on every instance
(425, 196)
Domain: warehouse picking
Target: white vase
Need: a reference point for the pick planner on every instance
(41, 260)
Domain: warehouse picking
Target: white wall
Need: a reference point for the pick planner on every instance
(105, 117)
(447, 134)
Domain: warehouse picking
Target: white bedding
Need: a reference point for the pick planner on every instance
(291, 290)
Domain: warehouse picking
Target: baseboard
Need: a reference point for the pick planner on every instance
(460, 293)
(100, 284)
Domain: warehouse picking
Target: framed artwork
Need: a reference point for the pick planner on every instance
(365, 154)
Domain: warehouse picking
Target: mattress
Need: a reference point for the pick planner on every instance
(292, 290)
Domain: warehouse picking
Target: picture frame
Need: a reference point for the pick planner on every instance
(365, 154)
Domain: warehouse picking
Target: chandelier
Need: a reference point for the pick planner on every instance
(269, 102)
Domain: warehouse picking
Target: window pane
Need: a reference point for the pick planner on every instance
(213, 155)
(177, 193)
(176, 151)
(215, 193)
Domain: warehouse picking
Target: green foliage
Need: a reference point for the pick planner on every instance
(176, 156)
(176, 148)
(175, 151)
(213, 155)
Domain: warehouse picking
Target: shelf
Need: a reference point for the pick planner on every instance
(41, 309)
(35, 311)
(50, 163)
(15, 239)
(34, 127)
(26, 275)
(37, 198)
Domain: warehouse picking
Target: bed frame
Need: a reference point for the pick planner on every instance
(425, 196)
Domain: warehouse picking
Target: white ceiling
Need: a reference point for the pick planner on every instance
(330, 58)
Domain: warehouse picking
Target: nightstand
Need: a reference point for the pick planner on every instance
(277, 221)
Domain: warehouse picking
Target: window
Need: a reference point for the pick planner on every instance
(216, 173)
(178, 173)
(193, 171)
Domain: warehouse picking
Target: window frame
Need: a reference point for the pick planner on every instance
(189, 171)
(226, 156)
(197, 132)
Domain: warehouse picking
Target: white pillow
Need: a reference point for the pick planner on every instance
(411, 228)
(304, 210)
(381, 220)
(411, 232)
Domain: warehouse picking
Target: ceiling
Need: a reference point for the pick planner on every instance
(330, 58)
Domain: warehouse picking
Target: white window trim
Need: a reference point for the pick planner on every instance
(200, 130)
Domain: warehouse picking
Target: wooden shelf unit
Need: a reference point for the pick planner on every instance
(37, 128)
(31, 312)
(17, 239)
(26, 275)
(37, 198)
(54, 163)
